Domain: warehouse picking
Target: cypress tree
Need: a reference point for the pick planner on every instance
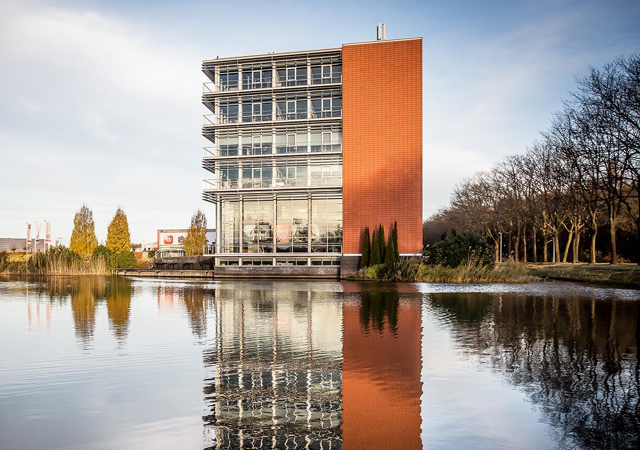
(382, 242)
(366, 249)
(375, 250)
(395, 240)
(390, 256)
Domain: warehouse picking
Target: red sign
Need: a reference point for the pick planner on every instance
(168, 239)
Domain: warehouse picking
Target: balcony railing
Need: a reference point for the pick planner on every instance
(277, 182)
(266, 149)
(221, 119)
(233, 85)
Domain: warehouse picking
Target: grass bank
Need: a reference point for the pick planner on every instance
(415, 270)
(627, 275)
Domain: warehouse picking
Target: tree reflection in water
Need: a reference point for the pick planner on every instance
(118, 295)
(378, 305)
(85, 294)
(575, 357)
(197, 301)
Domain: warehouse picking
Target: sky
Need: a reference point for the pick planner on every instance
(100, 100)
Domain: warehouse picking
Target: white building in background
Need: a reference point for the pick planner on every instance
(171, 241)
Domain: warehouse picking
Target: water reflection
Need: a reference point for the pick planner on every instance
(274, 371)
(316, 365)
(118, 296)
(381, 369)
(576, 358)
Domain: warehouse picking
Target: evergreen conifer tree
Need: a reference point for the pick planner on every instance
(382, 242)
(118, 237)
(390, 256)
(83, 236)
(197, 236)
(375, 250)
(395, 240)
(366, 249)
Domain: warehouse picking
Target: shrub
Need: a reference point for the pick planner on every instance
(455, 250)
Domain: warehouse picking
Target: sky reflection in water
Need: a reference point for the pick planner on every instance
(101, 363)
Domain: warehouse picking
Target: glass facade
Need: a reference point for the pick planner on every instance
(285, 166)
(257, 226)
(292, 225)
(326, 225)
(229, 234)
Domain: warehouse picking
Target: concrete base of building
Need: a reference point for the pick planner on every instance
(185, 263)
(155, 273)
(330, 272)
(349, 265)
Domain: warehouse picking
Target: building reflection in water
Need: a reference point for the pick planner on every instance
(574, 357)
(308, 369)
(382, 363)
(274, 374)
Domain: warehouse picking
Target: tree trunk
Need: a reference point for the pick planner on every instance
(496, 244)
(567, 247)
(524, 242)
(638, 248)
(556, 239)
(576, 248)
(535, 244)
(517, 246)
(612, 230)
(545, 248)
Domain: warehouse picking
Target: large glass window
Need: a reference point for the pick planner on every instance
(227, 145)
(326, 107)
(326, 140)
(260, 144)
(326, 73)
(228, 177)
(326, 225)
(326, 175)
(290, 175)
(256, 78)
(230, 233)
(292, 76)
(228, 81)
(291, 109)
(292, 225)
(257, 226)
(228, 113)
(291, 142)
(257, 111)
(256, 175)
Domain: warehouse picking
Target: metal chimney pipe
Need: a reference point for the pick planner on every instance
(379, 30)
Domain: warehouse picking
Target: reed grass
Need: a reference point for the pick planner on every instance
(55, 261)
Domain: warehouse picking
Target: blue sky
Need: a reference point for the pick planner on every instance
(101, 100)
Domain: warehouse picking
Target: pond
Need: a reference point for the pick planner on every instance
(111, 363)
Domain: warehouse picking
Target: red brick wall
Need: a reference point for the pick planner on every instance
(382, 141)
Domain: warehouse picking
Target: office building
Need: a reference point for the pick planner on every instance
(307, 148)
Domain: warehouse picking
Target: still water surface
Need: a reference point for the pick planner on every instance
(102, 363)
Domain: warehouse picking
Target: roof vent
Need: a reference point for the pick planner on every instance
(382, 31)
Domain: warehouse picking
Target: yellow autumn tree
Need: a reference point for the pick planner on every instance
(118, 237)
(83, 236)
(197, 236)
